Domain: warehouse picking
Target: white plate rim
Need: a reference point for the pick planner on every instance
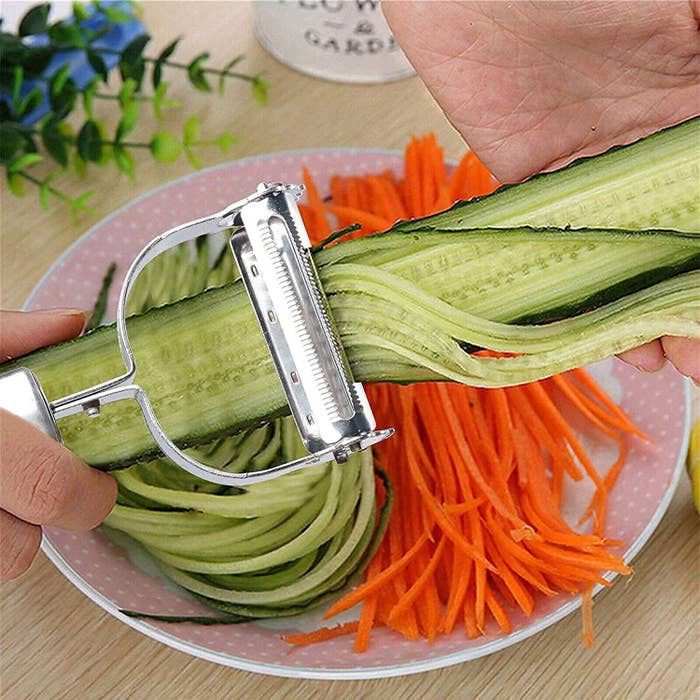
(359, 673)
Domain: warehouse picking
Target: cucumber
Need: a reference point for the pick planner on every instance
(652, 183)
(408, 302)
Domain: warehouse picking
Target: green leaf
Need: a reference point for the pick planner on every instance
(225, 141)
(97, 63)
(131, 63)
(16, 184)
(190, 130)
(222, 78)
(17, 79)
(29, 144)
(160, 101)
(195, 71)
(106, 144)
(54, 142)
(133, 71)
(79, 202)
(127, 123)
(23, 162)
(127, 91)
(156, 77)
(44, 193)
(165, 147)
(58, 79)
(35, 20)
(124, 161)
(11, 141)
(88, 96)
(89, 142)
(63, 101)
(36, 60)
(80, 12)
(66, 35)
(31, 101)
(133, 51)
(260, 90)
(193, 159)
(169, 50)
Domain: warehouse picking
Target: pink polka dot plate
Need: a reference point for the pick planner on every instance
(115, 577)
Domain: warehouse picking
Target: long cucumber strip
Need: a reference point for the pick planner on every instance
(259, 499)
(652, 183)
(316, 531)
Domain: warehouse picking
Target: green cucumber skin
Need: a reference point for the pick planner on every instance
(647, 184)
(615, 291)
(237, 385)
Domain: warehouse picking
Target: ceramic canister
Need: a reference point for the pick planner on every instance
(342, 40)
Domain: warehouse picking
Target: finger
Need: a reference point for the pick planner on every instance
(44, 483)
(19, 543)
(648, 357)
(24, 331)
(684, 353)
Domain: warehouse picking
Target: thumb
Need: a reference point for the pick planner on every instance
(24, 331)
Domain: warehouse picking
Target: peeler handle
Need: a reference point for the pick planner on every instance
(22, 395)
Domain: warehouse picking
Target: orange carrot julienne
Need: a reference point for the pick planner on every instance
(375, 584)
(322, 634)
(412, 594)
(321, 224)
(369, 609)
(498, 612)
(464, 506)
(587, 614)
(601, 396)
(355, 215)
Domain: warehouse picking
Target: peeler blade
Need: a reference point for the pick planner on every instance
(273, 252)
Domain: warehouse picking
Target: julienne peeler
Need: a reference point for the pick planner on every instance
(272, 249)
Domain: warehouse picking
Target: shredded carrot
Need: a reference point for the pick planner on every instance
(361, 592)
(478, 475)
(587, 616)
(320, 222)
(367, 221)
(323, 634)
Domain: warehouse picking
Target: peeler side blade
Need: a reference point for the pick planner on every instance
(272, 249)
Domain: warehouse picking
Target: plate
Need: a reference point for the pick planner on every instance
(114, 577)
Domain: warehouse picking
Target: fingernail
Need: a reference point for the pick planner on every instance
(67, 312)
(647, 368)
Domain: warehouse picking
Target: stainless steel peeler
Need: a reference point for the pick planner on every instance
(272, 250)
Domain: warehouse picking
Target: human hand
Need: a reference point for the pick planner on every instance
(41, 482)
(533, 85)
